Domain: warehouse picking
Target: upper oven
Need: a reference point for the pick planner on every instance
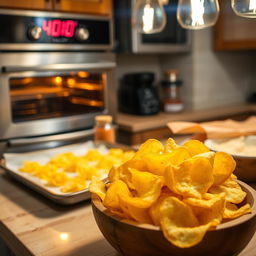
(56, 73)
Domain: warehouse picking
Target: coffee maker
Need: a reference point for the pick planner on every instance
(138, 95)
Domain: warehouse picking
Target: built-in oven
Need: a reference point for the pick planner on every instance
(57, 74)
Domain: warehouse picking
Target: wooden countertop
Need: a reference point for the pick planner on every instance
(32, 225)
(134, 123)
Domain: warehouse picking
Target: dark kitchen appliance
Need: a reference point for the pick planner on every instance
(173, 38)
(57, 74)
(137, 95)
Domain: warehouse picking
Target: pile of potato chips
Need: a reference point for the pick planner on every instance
(73, 173)
(186, 190)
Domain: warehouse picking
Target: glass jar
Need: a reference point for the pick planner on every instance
(104, 129)
(171, 92)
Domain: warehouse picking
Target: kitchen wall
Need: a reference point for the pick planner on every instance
(127, 63)
(211, 79)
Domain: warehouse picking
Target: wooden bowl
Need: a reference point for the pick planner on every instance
(147, 240)
(245, 165)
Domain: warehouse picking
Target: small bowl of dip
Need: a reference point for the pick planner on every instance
(243, 150)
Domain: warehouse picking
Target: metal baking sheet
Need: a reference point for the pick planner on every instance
(13, 161)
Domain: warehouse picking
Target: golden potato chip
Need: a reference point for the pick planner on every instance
(31, 167)
(74, 185)
(209, 209)
(223, 166)
(58, 179)
(154, 210)
(136, 208)
(156, 163)
(147, 185)
(170, 145)
(46, 171)
(192, 178)
(93, 155)
(232, 211)
(116, 190)
(98, 187)
(122, 172)
(195, 147)
(119, 198)
(233, 192)
(65, 160)
(179, 224)
(150, 146)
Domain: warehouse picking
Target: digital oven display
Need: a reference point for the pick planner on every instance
(57, 28)
(40, 30)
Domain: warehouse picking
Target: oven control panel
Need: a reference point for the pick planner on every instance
(50, 31)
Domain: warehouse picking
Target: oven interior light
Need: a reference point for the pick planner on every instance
(83, 74)
(58, 80)
(71, 82)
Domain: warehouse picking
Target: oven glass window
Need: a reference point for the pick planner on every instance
(34, 98)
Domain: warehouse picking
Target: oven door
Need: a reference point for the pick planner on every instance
(53, 99)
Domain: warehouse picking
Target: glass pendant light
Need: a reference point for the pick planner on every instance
(197, 14)
(149, 16)
(244, 8)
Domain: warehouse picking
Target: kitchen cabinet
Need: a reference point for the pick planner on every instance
(100, 7)
(233, 32)
(27, 4)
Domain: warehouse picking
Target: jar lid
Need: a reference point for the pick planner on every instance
(177, 83)
(171, 75)
(104, 118)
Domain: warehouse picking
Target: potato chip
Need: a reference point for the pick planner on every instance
(122, 172)
(120, 199)
(179, 224)
(31, 167)
(136, 208)
(58, 179)
(233, 192)
(170, 145)
(65, 160)
(195, 147)
(98, 187)
(154, 210)
(232, 211)
(116, 190)
(74, 185)
(150, 146)
(192, 178)
(156, 163)
(147, 185)
(223, 166)
(209, 209)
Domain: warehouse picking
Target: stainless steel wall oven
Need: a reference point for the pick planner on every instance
(57, 74)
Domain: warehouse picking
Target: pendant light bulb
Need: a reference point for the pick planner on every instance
(197, 14)
(149, 16)
(244, 8)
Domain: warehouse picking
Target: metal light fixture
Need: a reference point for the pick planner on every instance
(244, 8)
(197, 14)
(149, 16)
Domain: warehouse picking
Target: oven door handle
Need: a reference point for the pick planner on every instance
(52, 138)
(62, 67)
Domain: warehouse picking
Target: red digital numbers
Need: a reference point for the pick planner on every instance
(57, 28)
